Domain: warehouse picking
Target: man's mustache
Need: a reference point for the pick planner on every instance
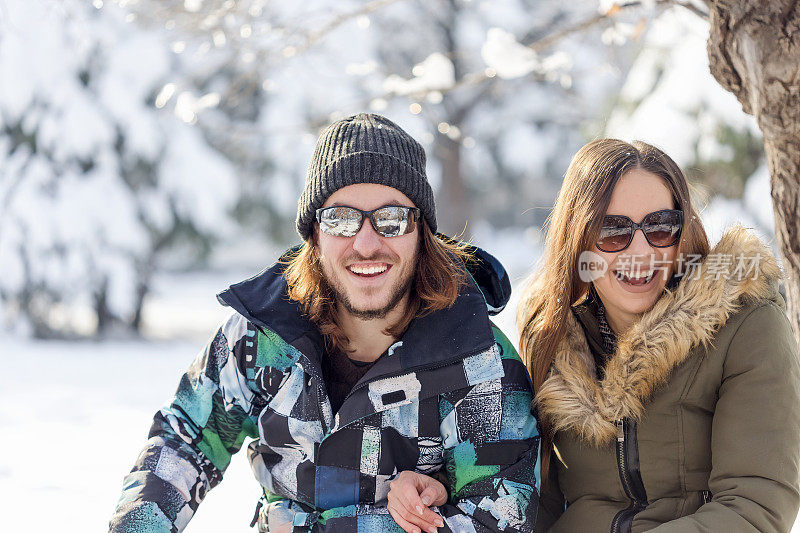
(377, 258)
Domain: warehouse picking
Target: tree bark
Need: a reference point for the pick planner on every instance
(754, 52)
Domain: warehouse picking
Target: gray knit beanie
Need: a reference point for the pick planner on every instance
(365, 148)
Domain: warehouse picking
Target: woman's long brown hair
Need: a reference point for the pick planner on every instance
(438, 275)
(571, 228)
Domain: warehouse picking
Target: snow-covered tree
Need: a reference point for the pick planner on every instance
(96, 182)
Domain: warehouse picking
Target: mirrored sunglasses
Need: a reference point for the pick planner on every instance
(388, 221)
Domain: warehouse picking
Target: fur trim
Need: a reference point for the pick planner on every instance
(572, 398)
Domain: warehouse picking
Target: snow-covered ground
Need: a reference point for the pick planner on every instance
(73, 416)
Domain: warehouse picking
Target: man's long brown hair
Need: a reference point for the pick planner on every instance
(572, 228)
(438, 275)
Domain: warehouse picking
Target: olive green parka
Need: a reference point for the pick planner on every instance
(695, 424)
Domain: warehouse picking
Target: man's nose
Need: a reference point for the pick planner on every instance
(367, 241)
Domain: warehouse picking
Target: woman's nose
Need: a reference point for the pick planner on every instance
(639, 241)
(639, 249)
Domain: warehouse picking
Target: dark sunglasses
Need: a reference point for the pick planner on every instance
(662, 229)
(388, 221)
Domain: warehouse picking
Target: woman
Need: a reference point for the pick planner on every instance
(666, 374)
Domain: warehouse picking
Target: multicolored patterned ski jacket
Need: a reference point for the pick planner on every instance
(452, 393)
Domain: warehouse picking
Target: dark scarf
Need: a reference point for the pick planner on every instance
(606, 333)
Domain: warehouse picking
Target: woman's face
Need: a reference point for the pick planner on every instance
(636, 276)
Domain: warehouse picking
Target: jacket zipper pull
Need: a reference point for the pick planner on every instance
(620, 430)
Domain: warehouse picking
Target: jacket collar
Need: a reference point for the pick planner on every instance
(264, 301)
(436, 339)
(688, 316)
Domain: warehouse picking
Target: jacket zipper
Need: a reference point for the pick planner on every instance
(320, 407)
(629, 475)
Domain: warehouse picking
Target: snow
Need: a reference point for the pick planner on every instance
(436, 72)
(509, 59)
(76, 414)
(618, 34)
(506, 56)
(604, 6)
(189, 182)
(74, 417)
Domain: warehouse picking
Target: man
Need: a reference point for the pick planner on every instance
(364, 352)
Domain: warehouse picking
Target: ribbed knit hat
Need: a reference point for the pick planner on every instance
(365, 148)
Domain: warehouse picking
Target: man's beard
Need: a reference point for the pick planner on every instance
(399, 291)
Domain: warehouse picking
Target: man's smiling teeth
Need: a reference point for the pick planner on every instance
(369, 269)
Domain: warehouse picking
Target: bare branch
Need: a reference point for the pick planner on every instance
(579, 27)
(549, 40)
(314, 36)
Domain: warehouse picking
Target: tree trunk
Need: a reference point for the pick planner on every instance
(754, 52)
(453, 210)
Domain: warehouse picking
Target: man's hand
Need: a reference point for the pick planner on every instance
(410, 496)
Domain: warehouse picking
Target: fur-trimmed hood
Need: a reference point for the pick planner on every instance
(571, 398)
